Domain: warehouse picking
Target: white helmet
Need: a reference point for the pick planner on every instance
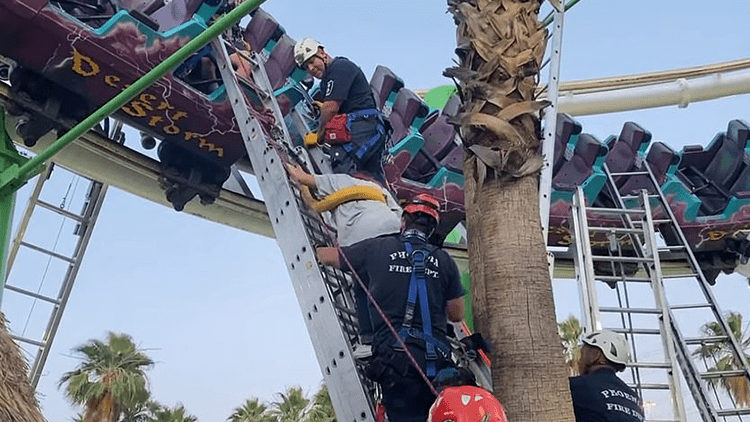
(614, 346)
(304, 49)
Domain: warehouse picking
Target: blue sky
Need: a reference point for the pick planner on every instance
(214, 307)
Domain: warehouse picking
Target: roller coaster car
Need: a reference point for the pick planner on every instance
(71, 57)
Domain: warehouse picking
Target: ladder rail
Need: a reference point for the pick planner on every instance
(703, 283)
(584, 266)
(332, 347)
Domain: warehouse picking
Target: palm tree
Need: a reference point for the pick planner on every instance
(141, 412)
(19, 403)
(725, 360)
(251, 411)
(178, 414)
(570, 334)
(322, 407)
(110, 379)
(292, 406)
(500, 49)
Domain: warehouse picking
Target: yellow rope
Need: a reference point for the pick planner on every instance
(348, 194)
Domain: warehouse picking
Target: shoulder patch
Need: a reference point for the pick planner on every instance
(329, 87)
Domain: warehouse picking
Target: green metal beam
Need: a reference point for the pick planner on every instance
(14, 177)
(9, 159)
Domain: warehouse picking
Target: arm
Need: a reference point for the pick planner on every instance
(455, 309)
(328, 109)
(328, 256)
(300, 176)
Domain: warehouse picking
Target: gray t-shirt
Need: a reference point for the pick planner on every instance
(359, 220)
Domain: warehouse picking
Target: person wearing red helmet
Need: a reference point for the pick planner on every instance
(466, 403)
(417, 286)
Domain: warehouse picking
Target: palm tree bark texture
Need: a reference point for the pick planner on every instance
(500, 49)
(17, 400)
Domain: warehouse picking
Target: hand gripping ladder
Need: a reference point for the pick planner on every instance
(323, 293)
(635, 243)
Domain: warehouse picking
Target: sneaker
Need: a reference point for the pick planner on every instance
(362, 351)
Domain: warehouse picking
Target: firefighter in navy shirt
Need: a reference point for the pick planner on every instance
(417, 286)
(598, 394)
(349, 119)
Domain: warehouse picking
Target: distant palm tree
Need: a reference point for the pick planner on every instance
(570, 334)
(252, 411)
(110, 379)
(725, 360)
(17, 400)
(322, 408)
(178, 414)
(292, 406)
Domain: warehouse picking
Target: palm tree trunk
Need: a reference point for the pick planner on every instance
(500, 48)
(17, 400)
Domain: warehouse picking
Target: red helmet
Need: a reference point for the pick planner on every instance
(424, 203)
(466, 404)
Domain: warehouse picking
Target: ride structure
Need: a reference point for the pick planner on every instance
(256, 122)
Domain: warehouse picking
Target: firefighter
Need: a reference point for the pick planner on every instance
(598, 394)
(349, 119)
(417, 287)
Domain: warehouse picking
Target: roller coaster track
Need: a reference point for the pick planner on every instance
(98, 158)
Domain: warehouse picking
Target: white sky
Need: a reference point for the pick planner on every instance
(214, 307)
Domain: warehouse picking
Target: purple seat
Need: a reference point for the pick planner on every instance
(660, 158)
(175, 13)
(261, 29)
(623, 151)
(725, 157)
(383, 83)
(454, 161)
(280, 63)
(406, 108)
(567, 127)
(580, 166)
(452, 106)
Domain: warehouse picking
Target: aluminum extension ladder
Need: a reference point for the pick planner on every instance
(635, 243)
(324, 294)
(85, 220)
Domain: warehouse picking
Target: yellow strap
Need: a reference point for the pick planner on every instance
(348, 194)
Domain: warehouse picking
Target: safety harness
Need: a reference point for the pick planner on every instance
(339, 131)
(418, 290)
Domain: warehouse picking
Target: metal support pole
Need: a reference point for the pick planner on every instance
(9, 158)
(550, 120)
(14, 177)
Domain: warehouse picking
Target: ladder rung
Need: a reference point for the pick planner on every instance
(647, 331)
(32, 294)
(661, 221)
(620, 258)
(28, 340)
(704, 340)
(630, 173)
(651, 365)
(50, 253)
(723, 374)
(615, 230)
(688, 275)
(651, 196)
(616, 210)
(621, 278)
(690, 306)
(649, 386)
(60, 211)
(631, 310)
(733, 412)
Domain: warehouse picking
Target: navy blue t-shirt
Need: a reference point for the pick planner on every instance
(345, 82)
(384, 266)
(603, 397)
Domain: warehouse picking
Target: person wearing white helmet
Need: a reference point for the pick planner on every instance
(598, 394)
(349, 119)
